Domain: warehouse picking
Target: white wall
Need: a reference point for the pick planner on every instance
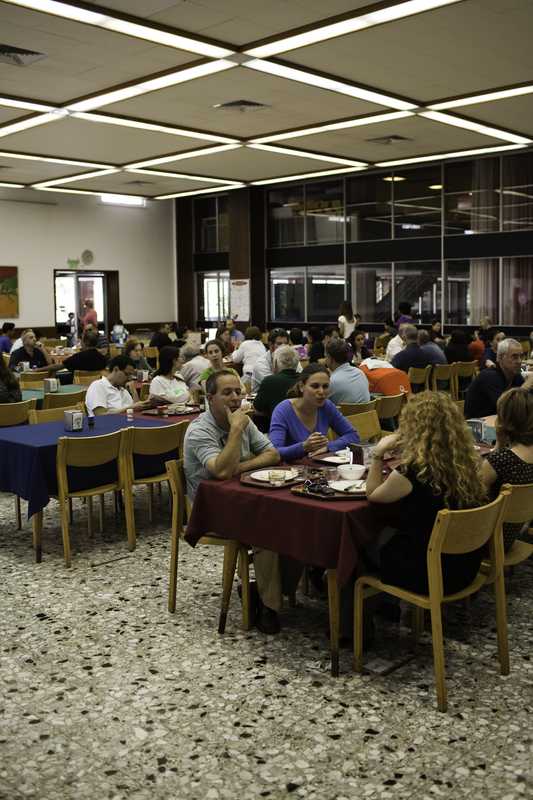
(39, 234)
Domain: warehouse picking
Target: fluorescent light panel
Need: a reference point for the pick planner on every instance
(459, 154)
(64, 191)
(333, 126)
(296, 178)
(469, 125)
(198, 191)
(221, 181)
(151, 126)
(351, 25)
(25, 124)
(318, 81)
(51, 160)
(205, 151)
(12, 185)
(152, 85)
(123, 199)
(286, 151)
(486, 97)
(82, 177)
(27, 105)
(119, 25)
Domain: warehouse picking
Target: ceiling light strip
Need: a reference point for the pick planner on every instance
(52, 160)
(485, 97)
(72, 178)
(199, 191)
(458, 154)
(477, 127)
(296, 178)
(118, 24)
(151, 85)
(287, 151)
(151, 126)
(6, 185)
(204, 151)
(350, 25)
(27, 105)
(333, 126)
(32, 122)
(221, 181)
(320, 82)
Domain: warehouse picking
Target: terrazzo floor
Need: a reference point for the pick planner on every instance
(106, 695)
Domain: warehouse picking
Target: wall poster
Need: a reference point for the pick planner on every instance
(9, 292)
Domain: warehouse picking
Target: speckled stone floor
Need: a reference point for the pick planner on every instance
(106, 695)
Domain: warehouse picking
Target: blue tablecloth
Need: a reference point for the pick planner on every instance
(38, 394)
(28, 459)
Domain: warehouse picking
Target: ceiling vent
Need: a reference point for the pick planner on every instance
(17, 57)
(138, 183)
(240, 105)
(393, 139)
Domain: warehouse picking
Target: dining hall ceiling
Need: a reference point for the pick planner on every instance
(160, 98)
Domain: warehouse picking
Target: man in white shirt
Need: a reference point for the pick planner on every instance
(397, 343)
(109, 394)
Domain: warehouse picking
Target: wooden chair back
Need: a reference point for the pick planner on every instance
(88, 451)
(519, 508)
(152, 352)
(32, 380)
(52, 414)
(348, 409)
(526, 347)
(144, 393)
(366, 424)
(7, 358)
(52, 342)
(152, 442)
(419, 378)
(463, 373)
(390, 406)
(15, 413)
(60, 400)
(442, 373)
(86, 380)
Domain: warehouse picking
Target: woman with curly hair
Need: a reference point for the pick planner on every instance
(439, 469)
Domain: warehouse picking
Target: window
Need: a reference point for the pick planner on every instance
(517, 291)
(213, 296)
(420, 284)
(211, 228)
(368, 208)
(371, 295)
(286, 217)
(324, 213)
(471, 291)
(287, 293)
(417, 202)
(325, 293)
(517, 192)
(472, 200)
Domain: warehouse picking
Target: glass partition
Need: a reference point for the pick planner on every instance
(287, 294)
(417, 202)
(286, 216)
(325, 293)
(471, 291)
(324, 212)
(472, 200)
(420, 284)
(371, 291)
(517, 291)
(517, 192)
(368, 208)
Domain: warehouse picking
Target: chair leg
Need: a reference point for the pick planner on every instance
(305, 581)
(228, 574)
(101, 509)
(37, 526)
(334, 620)
(358, 611)
(501, 624)
(244, 570)
(130, 516)
(90, 516)
(65, 532)
(417, 623)
(151, 502)
(438, 656)
(18, 512)
(173, 578)
(70, 510)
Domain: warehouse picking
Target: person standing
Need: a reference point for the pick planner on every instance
(90, 317)
(346, 319)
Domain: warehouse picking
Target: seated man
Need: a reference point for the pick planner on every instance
(34, 353)
(274, 387)
(111, 394)
(431, 350)
(484, 391)
(161, 338)
(89, 359)
(221, 443)
(195, 364)
(263, 366)
(396, 344)
(412, 355)
(347, 384)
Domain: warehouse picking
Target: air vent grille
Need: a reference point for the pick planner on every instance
(17, 57)
(392, 139)
(241, 106)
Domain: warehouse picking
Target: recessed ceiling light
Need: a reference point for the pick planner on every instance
(351, 25)
(27, 105)
(198, 191)
(179, 175)
(51, 160)
(123, 200)
(394, 178)
(151, 85)
(469, 125)
(287, 151)
(435, 186)
(204, 151)
(333, 126)
(485, 97)
(72, 178)
(112, 22)
(296, 178)
(151, 126)
(312, 79)
(458, 154)
(12, 185)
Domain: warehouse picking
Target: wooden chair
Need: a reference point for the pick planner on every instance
(419, 378)
(367, 425)
(518, 510)
(87, 451)
(390, 406)
(152, 352)
(7, 358)
(52, 414)
(32, 380)
(16, 414)
(526, 347)
(86, 377)
(144, 393)
(442, 373)
(233, 550)
(60, 400)
(463, 373)
(148, 442)
(348, 409)
(53, 342)
(453, 532)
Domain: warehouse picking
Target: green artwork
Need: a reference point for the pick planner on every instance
(9, 292)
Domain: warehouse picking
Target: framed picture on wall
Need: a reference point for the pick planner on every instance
(9, 292)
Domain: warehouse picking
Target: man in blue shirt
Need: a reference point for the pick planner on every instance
(412, 355)
(347, 384)
(6, 339)
(484, 391)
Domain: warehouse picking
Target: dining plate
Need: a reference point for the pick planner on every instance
(332, 459)
(264, 474)
(359, 487)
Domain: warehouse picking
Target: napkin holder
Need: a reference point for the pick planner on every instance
(50, 385)
(73, 420)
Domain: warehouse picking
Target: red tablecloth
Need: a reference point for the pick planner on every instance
(327, 534)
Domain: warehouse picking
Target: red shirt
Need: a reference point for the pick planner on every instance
(90, 318)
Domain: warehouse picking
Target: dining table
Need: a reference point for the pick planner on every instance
(38, 394)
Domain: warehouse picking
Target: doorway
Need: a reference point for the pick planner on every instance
(73, 289)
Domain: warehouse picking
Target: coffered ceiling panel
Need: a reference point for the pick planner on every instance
(11, 114)
(289, 104)
(74, 138)
(79, 59)
(130, 183)
(458, 49)
(515, 113)
(17, 170)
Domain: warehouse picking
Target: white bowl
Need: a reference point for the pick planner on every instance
(351, 472)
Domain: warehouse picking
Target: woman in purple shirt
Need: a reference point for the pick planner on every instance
(300, 425)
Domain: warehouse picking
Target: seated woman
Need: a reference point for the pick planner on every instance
(134, 349)
(9, 385)
(214, 352)
(167, 385)
(357, 343)
(512, 460)
(300, 424)
(439, 469)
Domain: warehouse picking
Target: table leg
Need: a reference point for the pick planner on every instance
(334, 620)
(37, 525)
